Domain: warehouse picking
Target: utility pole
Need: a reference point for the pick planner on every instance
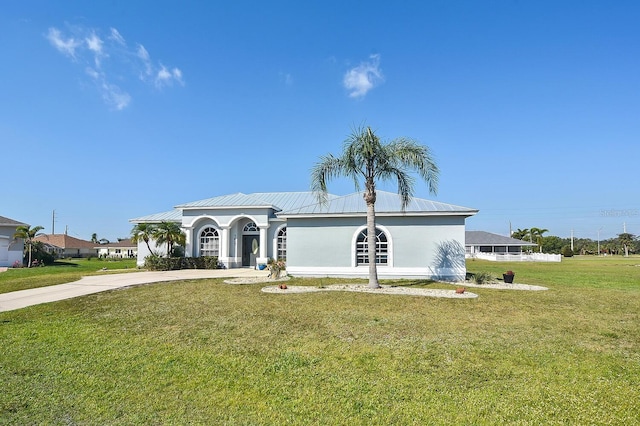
(624, 227)
(53, 222)
(599, 240)
(572, 240)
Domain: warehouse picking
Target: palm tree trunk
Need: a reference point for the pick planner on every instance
(29, 265)
(371, 245)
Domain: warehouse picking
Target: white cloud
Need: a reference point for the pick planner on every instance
(107, 59)
(166, 77)
(66, 46)
(361, 79)
(115, 36)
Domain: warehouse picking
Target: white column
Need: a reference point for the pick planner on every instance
(224, 247)
(188, 242)
(263, 245)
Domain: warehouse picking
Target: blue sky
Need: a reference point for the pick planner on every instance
(111, 110)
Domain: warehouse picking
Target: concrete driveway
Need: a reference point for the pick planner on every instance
(98, 283)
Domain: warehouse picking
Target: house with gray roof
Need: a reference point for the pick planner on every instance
(424, 240)
(487, 242)
(11, 249)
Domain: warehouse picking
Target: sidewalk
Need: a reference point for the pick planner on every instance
(98, 283)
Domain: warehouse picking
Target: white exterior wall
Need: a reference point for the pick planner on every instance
(11, 250)
(419, 247)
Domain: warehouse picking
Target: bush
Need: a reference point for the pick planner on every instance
(157, 263)
(482, 278)
(567, 252)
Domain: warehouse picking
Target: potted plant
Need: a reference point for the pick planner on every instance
(508, 277)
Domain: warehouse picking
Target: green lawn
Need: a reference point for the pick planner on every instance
(205, 352)
(62, 271)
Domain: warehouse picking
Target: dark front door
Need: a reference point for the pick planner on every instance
(249, 243)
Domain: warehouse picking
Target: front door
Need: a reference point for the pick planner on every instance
(250, 249)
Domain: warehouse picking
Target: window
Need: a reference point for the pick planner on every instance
(281, 250)
(209, 242)
(382, 248)
(251, 227)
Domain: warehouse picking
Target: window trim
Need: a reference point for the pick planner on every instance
(216, 237)
(354, 247)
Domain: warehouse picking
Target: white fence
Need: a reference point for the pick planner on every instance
(533, 257)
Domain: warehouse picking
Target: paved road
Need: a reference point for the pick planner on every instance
(98, 283)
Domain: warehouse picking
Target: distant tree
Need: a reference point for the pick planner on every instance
(520, 234)
(27, 234)
(535, 234)
(94, 238)
(365, 157)
(143, 232)
(169, 233)
(552, 244)
(627, 241)
(566, 251)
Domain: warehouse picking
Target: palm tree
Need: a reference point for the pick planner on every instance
(520, 234)
(365, 157)
(27, 233)
(143, 232)
(626, 240)
(536, 233)
(169, 233)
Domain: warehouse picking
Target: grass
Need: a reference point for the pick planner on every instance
(204, 352)
(62, 271)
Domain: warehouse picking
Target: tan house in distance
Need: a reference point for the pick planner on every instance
(62, 245)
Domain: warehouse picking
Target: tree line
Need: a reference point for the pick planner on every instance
(623, 244)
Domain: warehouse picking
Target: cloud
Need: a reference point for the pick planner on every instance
(361, 79)
(107, 59)
(66, 46)
(116, 37)
(166, 77)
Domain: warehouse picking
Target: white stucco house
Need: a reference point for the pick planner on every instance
(11, 249)
(425, 240)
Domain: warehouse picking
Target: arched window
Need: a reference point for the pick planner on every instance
(250, 227)
(382, 248)
(281, 249)
(209, 242)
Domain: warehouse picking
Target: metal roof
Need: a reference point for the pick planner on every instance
(306, 204)
(386, 203)
(482, 238)
(275, 200)
(170, 216)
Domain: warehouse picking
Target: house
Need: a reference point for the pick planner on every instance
(425, 240)
(122, 249)
(11, 249)
(488, 246)
(63, 245)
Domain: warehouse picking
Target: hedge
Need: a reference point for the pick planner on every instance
(156, 263)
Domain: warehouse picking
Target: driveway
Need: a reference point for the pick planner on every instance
(98, 283)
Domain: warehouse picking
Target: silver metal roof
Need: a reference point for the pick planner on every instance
(386, 203)
(276, 200)
(482, 238)
(10, 222)
(170, 216)
(306, 203)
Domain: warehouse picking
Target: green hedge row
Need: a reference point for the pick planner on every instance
(156, 263)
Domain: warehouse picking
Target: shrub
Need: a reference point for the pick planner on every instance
(482, 277)
(158, 263)
(567, 252)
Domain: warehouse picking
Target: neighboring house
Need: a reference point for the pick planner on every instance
(62, 245)
(11, 249)
(486, 242)
(123, 249)
(426, 240)
(485, 245)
